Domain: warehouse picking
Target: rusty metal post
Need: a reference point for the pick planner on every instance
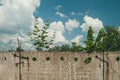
(20, 76)
(19, 46)
(107, 67)
(28, 67)
(107, 71)
(103, 66)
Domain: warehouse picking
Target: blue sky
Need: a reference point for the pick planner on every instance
(106, 10)
(70, 19)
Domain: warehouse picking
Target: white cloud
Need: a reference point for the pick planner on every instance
(16, 18)
(59, 37)
(10, 41)
(71, 24)
(57, 7)
(72, 13)
(17, 15)
(58, 28)
(95, 23)
(80, 13)
(87, 11)
(28, 46)
(6, 38)
(38, 22)
(61, 14)
(77, 39)
(83, 13)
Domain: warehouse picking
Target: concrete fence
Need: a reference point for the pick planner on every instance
(59, 66)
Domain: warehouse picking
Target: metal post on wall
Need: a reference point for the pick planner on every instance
(19, 49)
(28, 67)
(20, 58)
(107, 67)
(20, 62)
(103, 58)
(103, 65)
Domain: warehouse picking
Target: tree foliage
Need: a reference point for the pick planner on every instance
(112, 39)
(67, 48)
(100, 40)
(40, 37)
(90, 41)
(108, 39)
(62, 48)
(76, 48)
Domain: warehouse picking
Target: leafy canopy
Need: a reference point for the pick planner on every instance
(90, 41)
(40, 37)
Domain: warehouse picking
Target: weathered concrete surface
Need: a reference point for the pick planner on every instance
(7, 67)
(55, 68)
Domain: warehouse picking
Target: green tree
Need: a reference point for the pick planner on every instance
(90, 41)
(108, 39)
(58, 48)
(112, 39)
(40, 37)
(55, 48)
(100, 40)
(118, 39)
(76, 48)
(65, 47)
